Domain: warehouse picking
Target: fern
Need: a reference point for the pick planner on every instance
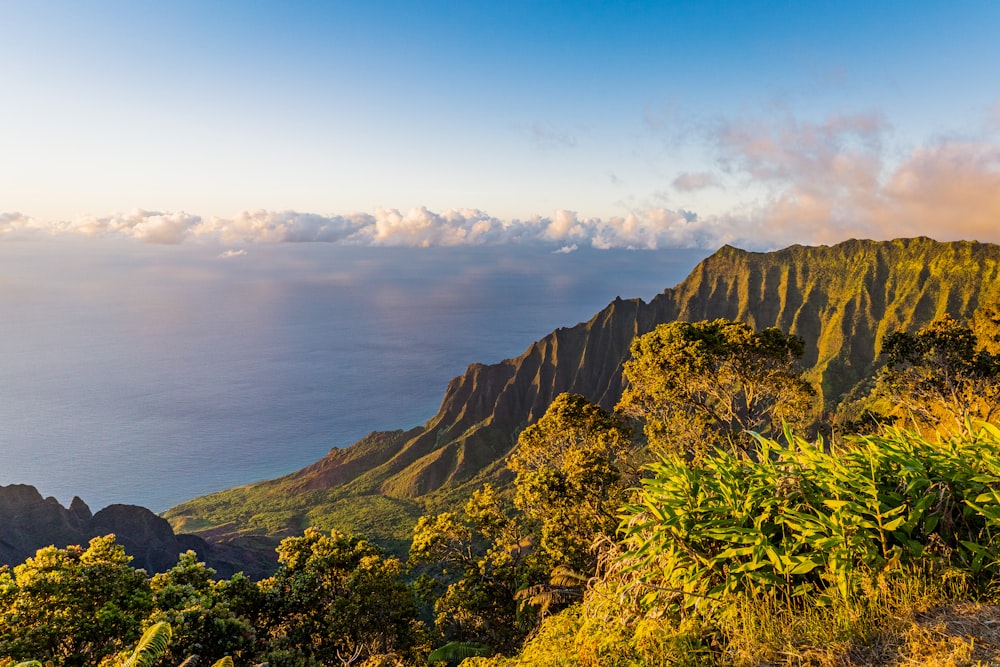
(151, 646)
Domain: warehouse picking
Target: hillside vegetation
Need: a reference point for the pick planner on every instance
(842, 301)
(699, 542)
(704, 519)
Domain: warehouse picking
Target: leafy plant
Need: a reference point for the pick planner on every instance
(803, 521)
(72, 606)
(481, 558)
(455, 652)
(151, 646)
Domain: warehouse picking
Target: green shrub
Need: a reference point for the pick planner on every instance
(802, 521)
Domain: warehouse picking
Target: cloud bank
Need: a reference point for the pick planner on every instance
(419, 227)
(802, 182)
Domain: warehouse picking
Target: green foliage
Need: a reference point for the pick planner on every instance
(481, 558)
(801, 521)
(455, 652)
(709, 384)
(336, 596)
(198, 609)
(281, 508)
(940, 377)
(754, 629)
(151, 646)
(72, 606)
(573, 468)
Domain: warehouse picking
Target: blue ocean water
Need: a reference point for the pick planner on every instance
(152, 374)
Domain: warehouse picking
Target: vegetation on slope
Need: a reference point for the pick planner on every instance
(843, 301)
(861, 555)
(877, 549)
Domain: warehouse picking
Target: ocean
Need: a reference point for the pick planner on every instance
(151, 374)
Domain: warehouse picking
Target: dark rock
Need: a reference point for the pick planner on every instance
(79, 509)
(146, 537)
(29, 522)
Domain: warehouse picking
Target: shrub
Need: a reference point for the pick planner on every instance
(804, 521)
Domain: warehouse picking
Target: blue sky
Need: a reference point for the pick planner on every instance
(632, 124)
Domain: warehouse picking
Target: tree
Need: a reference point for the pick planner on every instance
(482, 558)
(573, 467)
(334, 598)
(196, 606)
(939, 376)
(72, 606)
(699, 385)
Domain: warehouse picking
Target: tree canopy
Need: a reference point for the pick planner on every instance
(573, 466)
(939, 376)
(700, 385)
(73, 606)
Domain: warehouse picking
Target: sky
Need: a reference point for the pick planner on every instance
(572, 124)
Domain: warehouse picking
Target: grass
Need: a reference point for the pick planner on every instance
(904, 619)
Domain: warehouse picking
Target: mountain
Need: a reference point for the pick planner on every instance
(842, 300)
(31, 522)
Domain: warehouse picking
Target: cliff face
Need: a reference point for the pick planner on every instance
(842, 300)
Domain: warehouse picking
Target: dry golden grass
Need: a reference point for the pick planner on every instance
(956, 634)
(953, 635)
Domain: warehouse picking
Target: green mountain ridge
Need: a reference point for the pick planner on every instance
(843, 300)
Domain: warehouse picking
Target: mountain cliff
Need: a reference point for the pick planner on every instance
(842, 300)
(31, 522)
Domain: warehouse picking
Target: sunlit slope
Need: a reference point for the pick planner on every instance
(842, 300)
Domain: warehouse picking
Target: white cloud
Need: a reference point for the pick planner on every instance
(149, 226)
(18, 226)
(652, 228)
(804, 182)
(284, 226)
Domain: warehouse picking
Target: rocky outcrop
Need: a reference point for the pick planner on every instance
(30, 522)
(146, 537)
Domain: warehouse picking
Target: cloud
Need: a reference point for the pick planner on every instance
(547, 137)
(688, 182)
(803, 182)
(18, 226)
(149, 226)
(233, 253)
(564, 230)
(952, 189)
(566, 249)
(285, 226)
(799, 151)
(827, 181)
